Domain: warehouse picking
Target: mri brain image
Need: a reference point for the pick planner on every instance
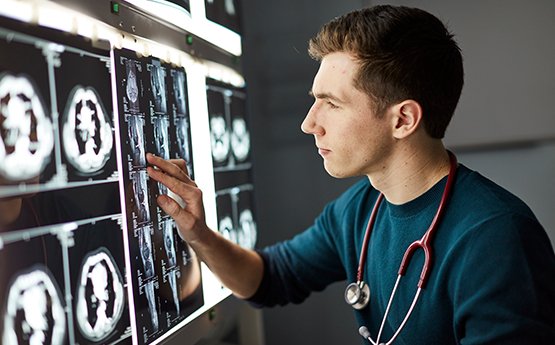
(169, 246)
(246, 233)
(145, 248)
(220, 139)
(87, 133)
(131, 87)
(26, 133)
(161, 137)
(182, 134)
(140, 194)
(100, 297)
(34, 312)
(179, 91)
(158, 86)
(136, 140)
(240, 139)
(227, 230)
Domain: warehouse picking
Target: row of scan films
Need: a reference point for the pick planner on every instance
(73, 225)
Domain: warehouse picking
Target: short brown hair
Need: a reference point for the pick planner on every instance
(404, 53)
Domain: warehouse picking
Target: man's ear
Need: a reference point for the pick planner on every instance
(407, 118)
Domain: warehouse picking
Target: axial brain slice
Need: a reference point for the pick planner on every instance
(26, 133)
(87, 132)
(100, 296)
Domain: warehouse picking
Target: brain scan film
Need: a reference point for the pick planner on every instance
(87, 132)
(182, 134)
(227, 230)
(100, 296)
(161, 137)
(240, 139)
(169, 246)
(26, 132)
(145, 247)
(34, 310)
(220, 139)
(136, 140)
(140, 193)
(179, 91)
(246, 232)
(131, 87)
(158, 86)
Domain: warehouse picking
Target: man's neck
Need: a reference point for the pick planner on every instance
(411, 172)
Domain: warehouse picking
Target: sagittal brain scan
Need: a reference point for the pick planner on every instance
(34, 311)
(131, 86)
(100, 296)
(26, 132)
(145, 248)
(161, 136)
(87, 131)
(141, 197)
(182, 134)
(169, 246)
(136, 140)
(158, 86)
(179, 91)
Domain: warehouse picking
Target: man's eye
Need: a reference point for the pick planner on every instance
(332, 105)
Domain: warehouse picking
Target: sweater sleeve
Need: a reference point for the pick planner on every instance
(308, 262)
(505, 292)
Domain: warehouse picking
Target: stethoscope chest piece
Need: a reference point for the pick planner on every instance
(357, 295)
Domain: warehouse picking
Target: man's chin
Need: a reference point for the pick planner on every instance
(337, 173)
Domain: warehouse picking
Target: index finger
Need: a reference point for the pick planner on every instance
(179, 170)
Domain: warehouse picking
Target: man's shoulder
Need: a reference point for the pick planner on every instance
(480, 200)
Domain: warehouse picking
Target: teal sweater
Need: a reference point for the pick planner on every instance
(493, 273)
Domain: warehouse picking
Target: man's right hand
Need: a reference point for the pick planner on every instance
(238, 268)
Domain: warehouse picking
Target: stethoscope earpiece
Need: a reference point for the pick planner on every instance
(357, 295)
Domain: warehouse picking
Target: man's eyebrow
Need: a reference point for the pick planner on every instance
(325, 95)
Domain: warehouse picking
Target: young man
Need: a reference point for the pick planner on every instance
(389, 81)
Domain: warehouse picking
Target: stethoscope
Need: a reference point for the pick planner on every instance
(358, 294)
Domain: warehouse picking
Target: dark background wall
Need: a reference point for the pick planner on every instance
(291, 184)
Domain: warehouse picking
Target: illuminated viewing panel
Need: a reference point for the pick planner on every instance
(153, 117)
(230, 142)
(86, 254)
(62, 261)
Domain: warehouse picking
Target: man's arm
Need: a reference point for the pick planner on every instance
(238, 268)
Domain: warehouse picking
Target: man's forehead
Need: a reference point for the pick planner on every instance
(335, 77)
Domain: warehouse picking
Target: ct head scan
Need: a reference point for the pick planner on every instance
(226, 229)
(247, 229)
(220, 139)
(240, 139)
(34, 312)
(100, 297)
(26, 133)
(87, 132)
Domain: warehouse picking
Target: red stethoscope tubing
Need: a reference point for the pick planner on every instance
(424, 243)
